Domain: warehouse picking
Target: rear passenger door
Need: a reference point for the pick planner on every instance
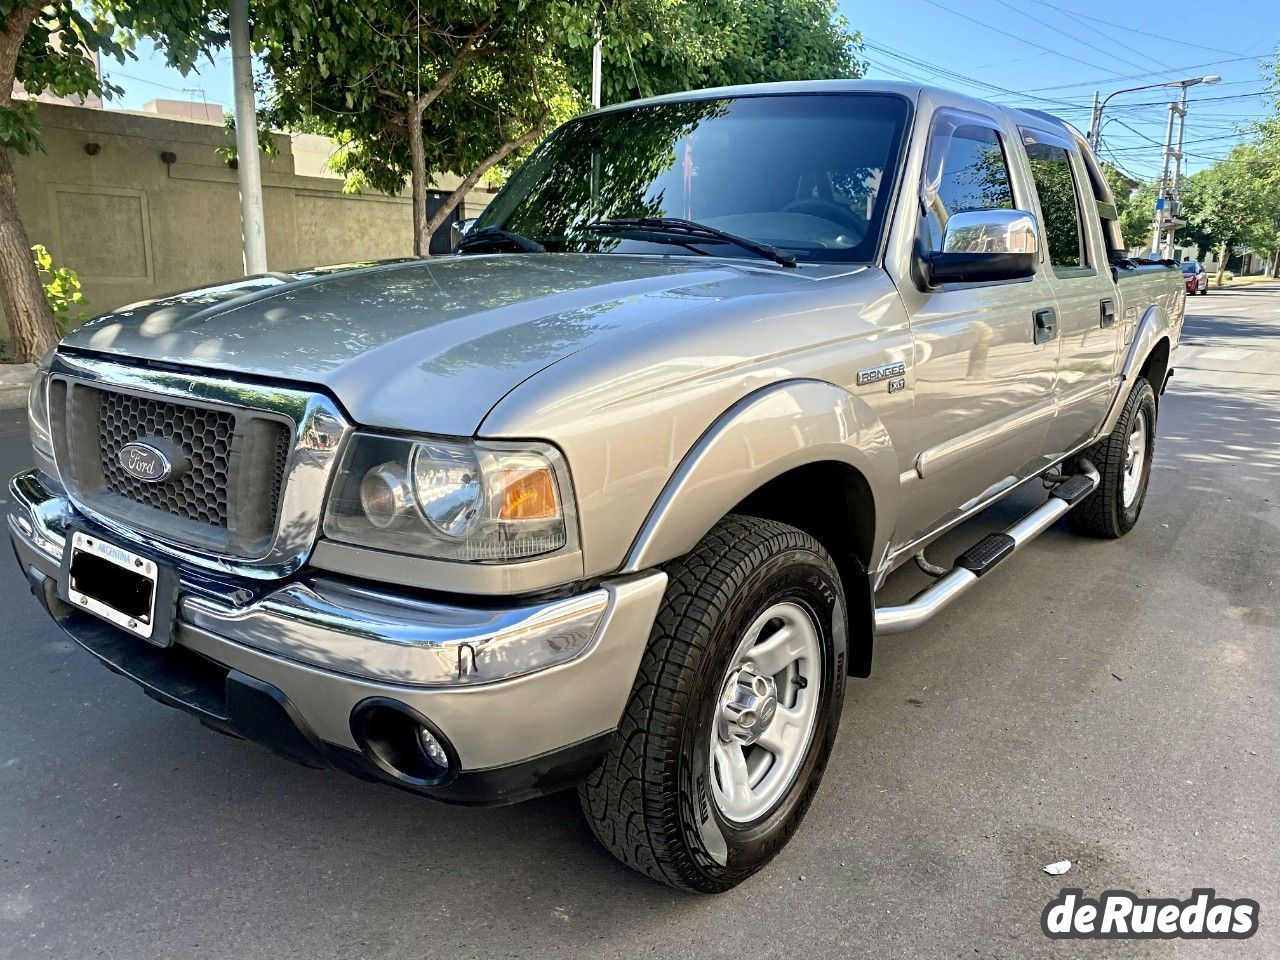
(1088, 309)
(983, 385)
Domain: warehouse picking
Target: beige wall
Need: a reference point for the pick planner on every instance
(134, 227)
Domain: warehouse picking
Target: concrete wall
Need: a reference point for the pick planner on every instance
(134, 227)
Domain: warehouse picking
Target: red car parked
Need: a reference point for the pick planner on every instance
(1196, 279)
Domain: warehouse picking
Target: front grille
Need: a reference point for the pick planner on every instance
(203, 435)
(230, 465)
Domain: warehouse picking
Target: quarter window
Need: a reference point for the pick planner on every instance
(967, 170)
(1059, 202)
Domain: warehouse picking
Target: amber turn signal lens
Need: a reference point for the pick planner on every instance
(528, 495)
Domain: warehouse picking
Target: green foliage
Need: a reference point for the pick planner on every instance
(57, 52)
(653, 47)
(1233, 202)
(1237, 200)
(266, 141)
(1136, 213)
(349, 70)
(61, 289)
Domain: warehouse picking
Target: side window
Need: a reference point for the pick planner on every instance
(966, 170)
(1059, 200)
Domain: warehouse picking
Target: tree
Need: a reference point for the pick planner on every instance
(1136, 214)
(415, 89)
(1231, 203)
(51, 46)
(464, 86)
(651, 47)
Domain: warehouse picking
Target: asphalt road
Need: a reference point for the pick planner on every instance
(1113, 704)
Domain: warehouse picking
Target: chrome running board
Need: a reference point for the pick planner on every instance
(985, 555)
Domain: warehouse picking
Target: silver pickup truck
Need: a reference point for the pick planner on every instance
(605, 498)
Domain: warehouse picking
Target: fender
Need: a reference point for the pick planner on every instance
(1154, 326)
(765, 434)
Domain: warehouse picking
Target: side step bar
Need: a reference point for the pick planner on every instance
(985, 555)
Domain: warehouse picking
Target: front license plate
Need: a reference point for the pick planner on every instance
(114, 584)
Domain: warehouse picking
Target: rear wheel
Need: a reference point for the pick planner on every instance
(733, 712)
(1123, 460)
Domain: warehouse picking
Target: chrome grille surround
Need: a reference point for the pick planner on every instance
(297, 453)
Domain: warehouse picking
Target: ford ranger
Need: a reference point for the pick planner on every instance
(604, 499)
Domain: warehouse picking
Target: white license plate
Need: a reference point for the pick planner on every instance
(112, 583)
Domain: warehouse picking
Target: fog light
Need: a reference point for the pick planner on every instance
(432, 748)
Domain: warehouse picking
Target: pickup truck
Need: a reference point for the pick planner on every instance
(604, 499)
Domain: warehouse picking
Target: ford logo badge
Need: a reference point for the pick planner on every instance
(144, 462)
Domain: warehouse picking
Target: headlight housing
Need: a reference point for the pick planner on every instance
(477, 501)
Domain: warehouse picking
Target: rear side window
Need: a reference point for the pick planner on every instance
(966, 170)
(1059, 201)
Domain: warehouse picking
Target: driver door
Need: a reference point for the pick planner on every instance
(983, 384)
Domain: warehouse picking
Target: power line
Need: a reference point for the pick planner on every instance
(1090, 43)
(1231, 96)
(1093, 21)
(984, 85)
(1141, 76)
(1014, 36)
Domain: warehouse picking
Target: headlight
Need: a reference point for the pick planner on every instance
(38, 407)
(453, 500)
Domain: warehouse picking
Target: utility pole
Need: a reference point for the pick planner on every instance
(1166, 221)
(1094, 118)
(248, 165)
(597, 70)
(1163, 201)
(1095, 124)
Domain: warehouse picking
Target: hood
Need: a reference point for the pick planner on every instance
(421, 345)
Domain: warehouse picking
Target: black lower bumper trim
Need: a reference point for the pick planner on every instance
(235, 703)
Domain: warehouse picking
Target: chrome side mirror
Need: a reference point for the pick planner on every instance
(459, 229)
(985, 246)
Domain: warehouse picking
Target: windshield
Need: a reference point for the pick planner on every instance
(809, 174)
(1190, 267)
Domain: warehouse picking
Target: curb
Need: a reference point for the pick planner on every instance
(13, 398)
(15, 381)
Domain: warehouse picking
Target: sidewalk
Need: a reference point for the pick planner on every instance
(15, 380)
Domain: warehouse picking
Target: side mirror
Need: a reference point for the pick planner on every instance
(984, 246)
(459, 229)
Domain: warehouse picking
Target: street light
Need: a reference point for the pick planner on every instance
(1095, 124)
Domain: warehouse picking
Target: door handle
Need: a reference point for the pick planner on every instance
(1106, 312)
(1046, 324)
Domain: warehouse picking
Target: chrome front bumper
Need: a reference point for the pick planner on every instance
(505, 684)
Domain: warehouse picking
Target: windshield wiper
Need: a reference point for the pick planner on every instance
(497, 237)
(676, 227)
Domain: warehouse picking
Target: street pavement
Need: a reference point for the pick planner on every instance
(1109, 703)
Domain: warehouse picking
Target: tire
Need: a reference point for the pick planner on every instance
(656, 801)
(1108, 512)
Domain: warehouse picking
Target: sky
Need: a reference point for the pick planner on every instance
(1054, 55)
(1051, 55)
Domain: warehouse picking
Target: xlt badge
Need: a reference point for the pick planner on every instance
(888, 371)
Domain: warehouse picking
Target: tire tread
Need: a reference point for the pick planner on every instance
(628, 800)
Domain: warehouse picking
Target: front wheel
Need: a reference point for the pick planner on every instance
(1123, 460)
(733, 712)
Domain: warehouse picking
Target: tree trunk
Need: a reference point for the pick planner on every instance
(418, 179)
(472, 178)
(31, 328)
(1223, 255)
